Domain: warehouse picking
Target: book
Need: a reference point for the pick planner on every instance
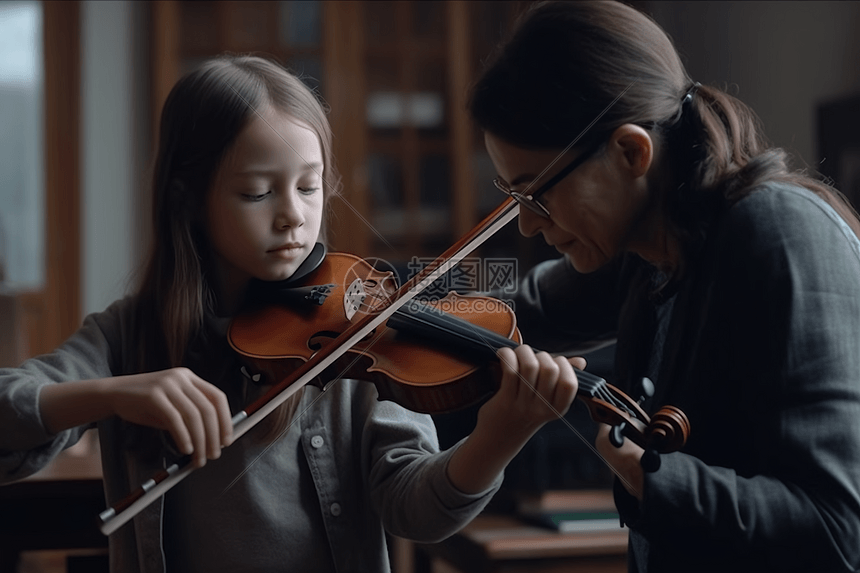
(564, 501)
(578, 521)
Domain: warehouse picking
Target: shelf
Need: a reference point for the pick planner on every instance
(395, 76)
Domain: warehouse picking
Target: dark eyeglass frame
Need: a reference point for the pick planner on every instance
(532, 200)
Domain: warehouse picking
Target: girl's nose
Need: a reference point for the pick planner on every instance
(530, 223)
(288, 212)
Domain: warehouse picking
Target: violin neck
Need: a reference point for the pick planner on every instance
(457, 334)
(450, 331)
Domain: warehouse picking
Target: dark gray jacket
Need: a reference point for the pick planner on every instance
(762, 352)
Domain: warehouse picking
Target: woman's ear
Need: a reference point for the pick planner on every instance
(634, 149)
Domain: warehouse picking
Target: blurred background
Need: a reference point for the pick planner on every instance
(82, 84)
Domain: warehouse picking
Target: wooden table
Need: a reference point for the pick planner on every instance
(56, 508)
(503, 543)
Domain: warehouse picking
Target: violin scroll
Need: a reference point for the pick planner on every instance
(669, 430)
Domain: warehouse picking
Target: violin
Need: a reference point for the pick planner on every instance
(666, 432)
(429, 357)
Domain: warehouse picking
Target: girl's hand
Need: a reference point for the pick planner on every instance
(624, 460)
(193, 411)
(535, 388)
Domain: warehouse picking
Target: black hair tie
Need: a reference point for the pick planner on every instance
(688, 95)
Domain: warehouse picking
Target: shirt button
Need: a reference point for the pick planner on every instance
(317, 441)
(335, 509)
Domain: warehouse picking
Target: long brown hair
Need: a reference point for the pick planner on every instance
(201, 119)
(565, 62)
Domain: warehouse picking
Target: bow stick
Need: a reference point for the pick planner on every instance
(124, 510)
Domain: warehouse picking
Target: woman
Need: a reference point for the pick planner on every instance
(729, 281)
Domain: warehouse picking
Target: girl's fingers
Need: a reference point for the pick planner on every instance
(175, 424)
(510, 371)
(547, 376)
(567, 386)
(578, 362)
(538, 382)
(222, 408)
(529, 371)
(209, 420)
(193, 421)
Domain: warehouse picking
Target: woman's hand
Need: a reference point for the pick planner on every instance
(624, 460)
(534, 389)
(193, 411)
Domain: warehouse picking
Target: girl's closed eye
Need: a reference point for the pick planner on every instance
(308, 190)
(256, 197)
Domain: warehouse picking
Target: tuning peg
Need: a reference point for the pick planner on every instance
(616, 438)
(646, 389)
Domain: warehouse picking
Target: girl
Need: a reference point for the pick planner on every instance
(242, 176)
(728, 280)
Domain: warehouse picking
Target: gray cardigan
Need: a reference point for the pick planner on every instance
(762, 352)
(380, 467)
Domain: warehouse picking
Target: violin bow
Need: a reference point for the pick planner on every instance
(121, 512)
(125, 509)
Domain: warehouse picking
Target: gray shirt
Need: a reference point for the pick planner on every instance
(355, 468)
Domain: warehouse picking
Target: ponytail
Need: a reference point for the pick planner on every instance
(733, 158)
(567, 62)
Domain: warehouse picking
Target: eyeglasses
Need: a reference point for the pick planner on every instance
(532, 200)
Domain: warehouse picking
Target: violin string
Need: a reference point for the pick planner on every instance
(481, 334)
(483, 337)
(429, 276)
(370, 226)
(453, 326)
(607, 396)
(510, 211)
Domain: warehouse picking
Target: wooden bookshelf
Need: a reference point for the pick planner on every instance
(495, 543)
(396, 77)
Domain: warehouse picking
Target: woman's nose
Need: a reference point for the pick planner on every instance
(530, 223)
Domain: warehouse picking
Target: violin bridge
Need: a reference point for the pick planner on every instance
(353, 298)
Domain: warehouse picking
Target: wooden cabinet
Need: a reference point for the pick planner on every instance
(396, 76)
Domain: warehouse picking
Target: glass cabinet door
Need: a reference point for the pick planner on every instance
(22, 192)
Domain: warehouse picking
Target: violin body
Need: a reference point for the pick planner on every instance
(276, 338)
(325, 323)
(429, 357)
